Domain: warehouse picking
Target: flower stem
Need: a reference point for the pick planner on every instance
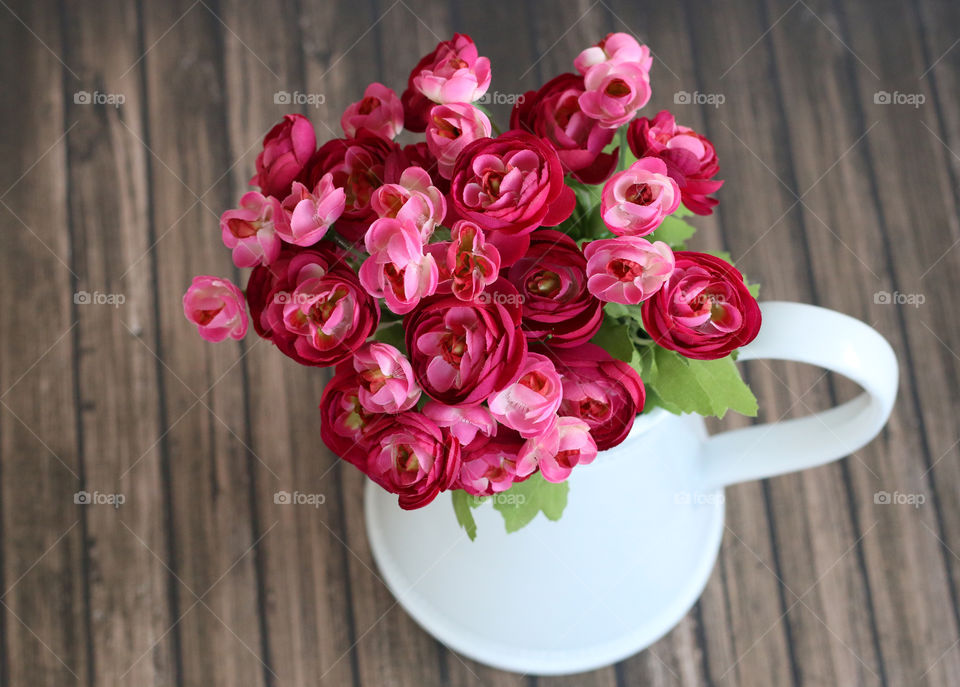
(622, 142)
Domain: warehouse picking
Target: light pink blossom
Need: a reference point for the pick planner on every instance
(312, 212)
(414, 198)
(379, 111)
(614, 92)
(635, 201)
(616, 48)
(574, 446)
(450, 128)
(627, 269)
(530, 404)
(464, 422)
(251, 231)
(386, 383)
(453, 73)
(217, 307)
(473, 263)
(397, 270)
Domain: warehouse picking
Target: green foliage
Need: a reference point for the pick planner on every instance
(521, 502)
(673, 231)
(682, 385)
(463, 505)
(391, 333)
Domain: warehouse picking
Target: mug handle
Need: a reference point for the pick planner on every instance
(828, 339)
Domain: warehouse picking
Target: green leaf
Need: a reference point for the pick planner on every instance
(520, 504)
(682, 211)
(707, 387)
(673, 231)
(614, 338)
(391, 334)
(463, 510)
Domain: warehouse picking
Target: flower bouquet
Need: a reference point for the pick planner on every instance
(498, 307)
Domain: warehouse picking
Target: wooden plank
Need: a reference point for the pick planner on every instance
(108, 202)
(307, 590)
(926, 538)
(217, 595)
(44, 615)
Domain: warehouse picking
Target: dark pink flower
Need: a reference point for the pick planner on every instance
(690, 157)
(554, 113)
(410, 456)
(511, 184)
(359, 166)
(344, 422)
(551, 277)
(704, 311)
(310, 304)
(604, 392)
(286, 149)
(464, 351)
(379, 112)
(489, 465)
(217, 307)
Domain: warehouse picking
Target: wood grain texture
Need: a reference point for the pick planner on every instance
(201, 578)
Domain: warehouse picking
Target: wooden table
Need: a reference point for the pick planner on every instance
(198, 578)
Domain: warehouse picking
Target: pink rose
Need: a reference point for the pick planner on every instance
(690, 157)
(310, 304)
(574, 446)
(471, 261)
(453, 72)
(511, 184)
(463, 422)
(311, 212)
(413, 198)
(614, 92)
(490, 465)
(379, 112)
(704, 311)
(450, 128)
(635, 201)
(385, 379)
(344, 422)
(627, 269)
(554, 113)
(251, 231)
(217, 307)
(410, 456)
(530, 404)
(558, 309)
(463, 352)
(286, 149)
(616, 48)
(397, 270)
(604, 392)
(359, 166)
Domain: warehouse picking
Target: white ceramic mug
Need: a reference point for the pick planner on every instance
(643, 523)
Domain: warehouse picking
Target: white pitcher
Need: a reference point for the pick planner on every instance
(643, 523)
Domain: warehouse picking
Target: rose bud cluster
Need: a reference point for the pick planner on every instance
(463, 250)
